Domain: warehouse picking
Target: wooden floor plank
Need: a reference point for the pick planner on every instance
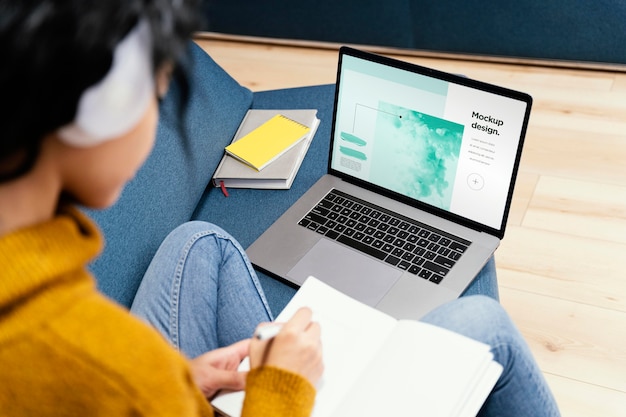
(562, 205)
(568, 153)
(574, 343)
(563, 266)
(579, 399)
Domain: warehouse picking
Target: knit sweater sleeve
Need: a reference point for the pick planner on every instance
(275, 392)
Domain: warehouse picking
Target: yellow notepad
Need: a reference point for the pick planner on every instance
(267, 142)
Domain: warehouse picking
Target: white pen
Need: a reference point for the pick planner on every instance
(267, 332)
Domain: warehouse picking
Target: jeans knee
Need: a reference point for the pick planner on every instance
(486, 313)
(179, 241)
(189, 230)
(477, 316)
(484, 304)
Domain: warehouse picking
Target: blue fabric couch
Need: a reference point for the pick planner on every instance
(174, 185)
(565, 30)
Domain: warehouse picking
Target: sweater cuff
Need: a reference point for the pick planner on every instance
(276, 392)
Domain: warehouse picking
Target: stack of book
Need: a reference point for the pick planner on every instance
(267, 150)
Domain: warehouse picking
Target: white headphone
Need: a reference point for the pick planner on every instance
(116, 103)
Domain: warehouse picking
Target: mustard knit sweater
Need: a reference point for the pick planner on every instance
(66, 350)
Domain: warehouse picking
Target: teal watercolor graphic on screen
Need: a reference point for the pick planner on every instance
(416, 154)
(352, 153)
(348, 137)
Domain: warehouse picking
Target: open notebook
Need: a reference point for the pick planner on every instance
(376, 365)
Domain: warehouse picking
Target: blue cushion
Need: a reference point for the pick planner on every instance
(246, 214)
(168, 187)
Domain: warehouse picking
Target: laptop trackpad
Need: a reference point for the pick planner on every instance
(347, 270)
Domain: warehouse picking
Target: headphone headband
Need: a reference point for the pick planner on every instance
(116, 103)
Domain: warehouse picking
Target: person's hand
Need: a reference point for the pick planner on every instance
(297, 348)
(217, 369)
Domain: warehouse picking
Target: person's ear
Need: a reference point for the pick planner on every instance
(163, 78)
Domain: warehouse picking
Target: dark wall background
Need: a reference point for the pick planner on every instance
(574, 30)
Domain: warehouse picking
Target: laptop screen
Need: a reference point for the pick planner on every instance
(437, 140)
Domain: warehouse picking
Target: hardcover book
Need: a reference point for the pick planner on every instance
(281, 171)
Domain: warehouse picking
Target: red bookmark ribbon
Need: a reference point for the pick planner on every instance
(224, 190)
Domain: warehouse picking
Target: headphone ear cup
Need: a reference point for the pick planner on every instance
(117, 103)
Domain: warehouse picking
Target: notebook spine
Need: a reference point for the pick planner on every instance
(293, 121)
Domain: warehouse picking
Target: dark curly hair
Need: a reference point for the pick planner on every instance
(53, 50)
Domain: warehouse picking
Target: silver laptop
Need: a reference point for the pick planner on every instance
(422, 166)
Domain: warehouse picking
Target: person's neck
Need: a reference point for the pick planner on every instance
(28, 200)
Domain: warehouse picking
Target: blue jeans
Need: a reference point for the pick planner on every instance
(200, 290)
(201, 293)
(521, 389)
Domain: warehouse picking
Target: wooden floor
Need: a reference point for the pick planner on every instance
(562, 264)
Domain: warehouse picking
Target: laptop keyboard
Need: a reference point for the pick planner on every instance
(422, 250)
